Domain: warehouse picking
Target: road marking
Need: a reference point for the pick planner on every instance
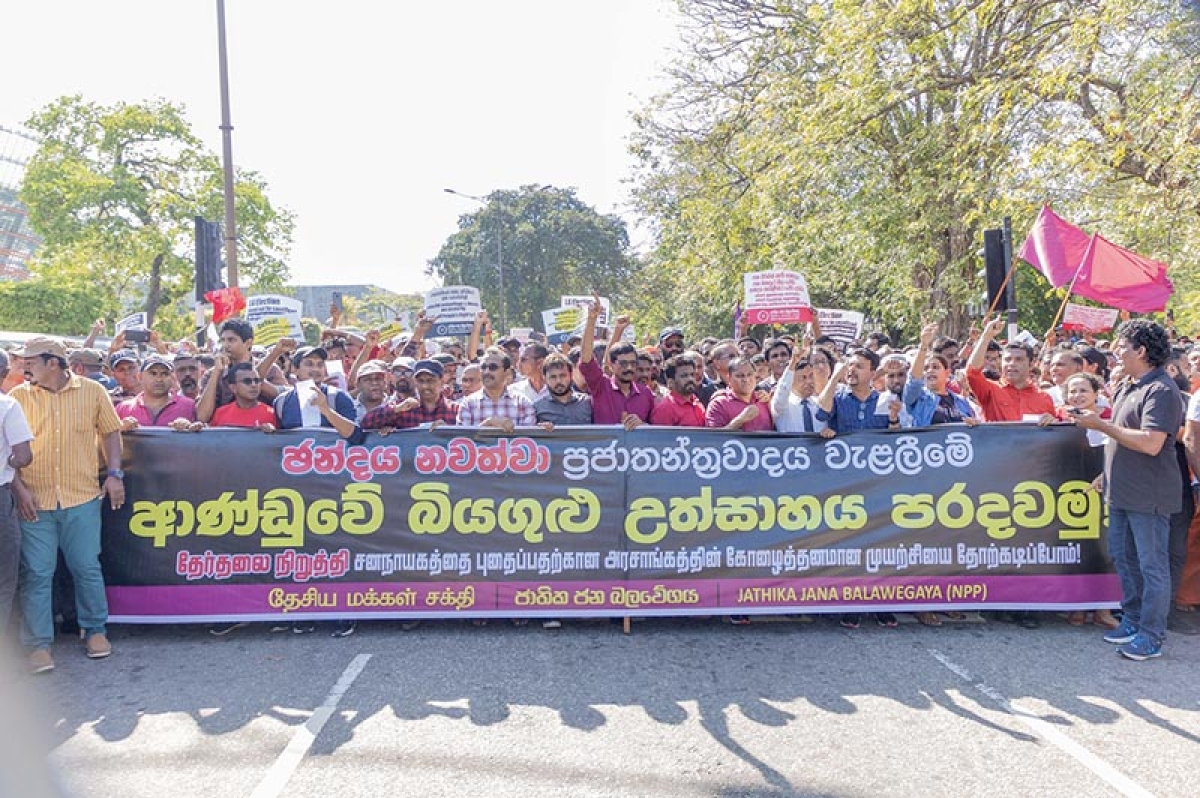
(1113, 777)
(277, 777)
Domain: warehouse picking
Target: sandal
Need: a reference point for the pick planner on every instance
(954, 615)
(1105, 619)
(927, 618)
(1077, 618)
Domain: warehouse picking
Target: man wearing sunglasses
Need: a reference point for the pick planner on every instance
(245, 410)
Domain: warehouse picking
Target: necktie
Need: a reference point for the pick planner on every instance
(809, 425)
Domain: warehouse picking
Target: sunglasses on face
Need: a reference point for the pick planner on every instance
(491, 366)
(250, 381)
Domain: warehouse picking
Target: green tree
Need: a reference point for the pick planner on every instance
(549, 242)
(43, 305)
(867, 145)
(113, 191)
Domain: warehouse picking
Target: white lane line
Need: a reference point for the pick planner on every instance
(277, 777)
(1113, 777)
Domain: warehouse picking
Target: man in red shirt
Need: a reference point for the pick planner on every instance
(680, 407)
(1014, 397)
(245, 410)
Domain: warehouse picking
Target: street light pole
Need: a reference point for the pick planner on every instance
(499, 252)
(227, 152)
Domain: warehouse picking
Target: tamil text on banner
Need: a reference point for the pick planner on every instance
(843, 326)
(274, 317)
(775, 297)
(1083, 317)
(233, 524)
(453, 308)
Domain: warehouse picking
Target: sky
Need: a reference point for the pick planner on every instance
(358, 114)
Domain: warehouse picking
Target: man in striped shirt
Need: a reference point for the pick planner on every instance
(496, 404)
(58, 496)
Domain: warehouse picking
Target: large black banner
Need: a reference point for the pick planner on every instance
(237, 524)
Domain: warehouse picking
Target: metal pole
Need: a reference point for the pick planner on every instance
(1011, 287)
(500, 275)
(231, 261)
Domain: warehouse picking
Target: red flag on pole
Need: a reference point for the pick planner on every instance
(226, 302)
(1054, 247)
(1119, 278)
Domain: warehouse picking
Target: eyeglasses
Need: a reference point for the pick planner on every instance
(250, 381)
(491, 366)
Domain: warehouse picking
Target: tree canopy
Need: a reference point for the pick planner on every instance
(113, 190)
(549, 242)
(868, 144)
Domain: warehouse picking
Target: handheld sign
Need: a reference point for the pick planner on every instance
(842, 326)
(274, 317)
(584, 302)
(775, 297)
(134, 321)
(1083, 317)
(561, 323)
(454, 307)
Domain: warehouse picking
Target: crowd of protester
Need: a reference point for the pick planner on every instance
(807, 383)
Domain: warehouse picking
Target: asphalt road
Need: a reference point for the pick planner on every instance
(681, 707)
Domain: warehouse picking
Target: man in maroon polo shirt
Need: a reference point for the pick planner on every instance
(680, 407)
(617, 399)
(157, 405)
(1015, 396)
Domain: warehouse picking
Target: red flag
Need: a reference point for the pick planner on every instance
(1055, 247)
(1119, 278)
(226, 302)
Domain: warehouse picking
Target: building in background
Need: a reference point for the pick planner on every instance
(17, 241)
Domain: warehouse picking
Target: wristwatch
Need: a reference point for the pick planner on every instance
(116, 472)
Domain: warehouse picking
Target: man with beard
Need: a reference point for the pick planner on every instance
(372, 387)
(617, 399)
(533, 387)
(187, 375)
(562, 405)
(429, 406)
(156, 405)
(670, 341)
(324, 406)
(401, 383)
(894, 368)
(1014, 397)
(680, 407)
(496, 405)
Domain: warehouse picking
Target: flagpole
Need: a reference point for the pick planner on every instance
(1011, 268)
(1063, 306)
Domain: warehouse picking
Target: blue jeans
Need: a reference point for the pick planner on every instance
(76, 530)
(1138, 545)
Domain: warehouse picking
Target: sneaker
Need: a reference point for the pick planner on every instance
(1140, 648)
(739, 620)
(98, 646)
(1125, 633)
(887, 620)
(552, 623)
(303, 627)
(343, 628)
(850, 620)
(40, 661)
(222, 629)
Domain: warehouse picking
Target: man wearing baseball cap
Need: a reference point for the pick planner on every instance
(430, 405)
(371, 384)
(670, 341)
(157, 405)
(312, 403)
(90, 363)
(125, 369)
(58, 497)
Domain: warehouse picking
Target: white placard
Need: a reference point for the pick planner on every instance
(1084, 317)
(134, 321)
(775, 297)
(842, 326)
(585, 302)
(274, 317)
(454, 308)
